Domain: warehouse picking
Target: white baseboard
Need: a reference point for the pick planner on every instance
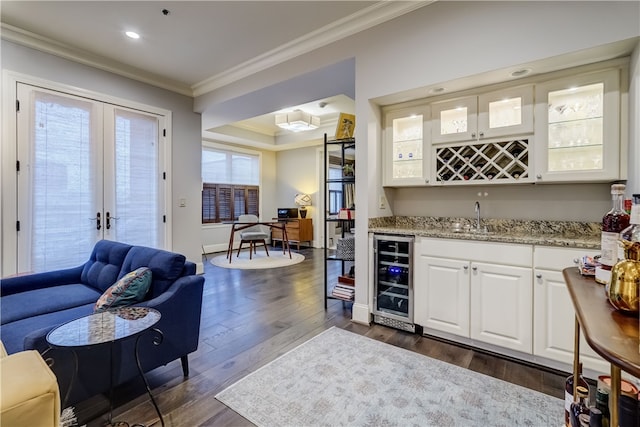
(218, 247)
(360, 314)
(199, 268)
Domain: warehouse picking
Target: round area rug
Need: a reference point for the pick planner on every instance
(259, 260)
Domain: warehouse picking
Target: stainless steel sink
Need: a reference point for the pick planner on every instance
(458, 228)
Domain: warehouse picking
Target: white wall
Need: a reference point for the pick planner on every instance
(633, 181)
(186, 138)
(298, 172)
(442, 42)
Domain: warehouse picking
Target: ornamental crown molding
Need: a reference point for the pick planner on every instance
(364, 19)
(340, 29)
(62, 50)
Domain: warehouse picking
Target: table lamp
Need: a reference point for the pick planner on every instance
(303, 200)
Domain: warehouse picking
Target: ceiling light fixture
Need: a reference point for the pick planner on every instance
(521, 72)
(132, 34)
(297, 121)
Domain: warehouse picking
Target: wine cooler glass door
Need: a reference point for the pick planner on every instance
(393, 277)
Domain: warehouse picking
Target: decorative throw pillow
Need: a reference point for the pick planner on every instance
(131, 288)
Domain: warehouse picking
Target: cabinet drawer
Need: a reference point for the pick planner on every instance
(551, 258)
(292, 234)
(291, 225)
(491, 252)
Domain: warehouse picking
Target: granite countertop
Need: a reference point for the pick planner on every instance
(570, 234)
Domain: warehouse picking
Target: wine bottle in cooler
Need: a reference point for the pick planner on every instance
(613, 222)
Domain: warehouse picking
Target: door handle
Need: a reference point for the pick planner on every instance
(97, 220)
(109, 218)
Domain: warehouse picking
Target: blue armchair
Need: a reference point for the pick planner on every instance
(32, 305)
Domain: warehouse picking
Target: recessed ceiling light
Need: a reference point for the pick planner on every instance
(132, 34)
(436, 90)
(521, 72)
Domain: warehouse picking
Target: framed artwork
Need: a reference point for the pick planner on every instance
(346, 125)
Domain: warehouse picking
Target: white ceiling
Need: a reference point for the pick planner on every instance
(198, 45)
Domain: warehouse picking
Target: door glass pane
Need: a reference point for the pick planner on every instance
(137, 217)
(506, 112)
(63, 183)
(576, 135)
(407, 147)
(453, 121)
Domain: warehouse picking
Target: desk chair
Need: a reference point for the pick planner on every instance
(251, 235)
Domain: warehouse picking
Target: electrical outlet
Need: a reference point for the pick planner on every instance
(382, 204)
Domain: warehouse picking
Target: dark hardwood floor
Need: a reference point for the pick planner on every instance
(250, 317)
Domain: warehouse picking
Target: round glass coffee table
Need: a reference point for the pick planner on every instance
(107, 328)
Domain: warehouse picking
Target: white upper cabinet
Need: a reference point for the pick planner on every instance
(489, 135)
(506, 112)
(454, 120)
(499, 113)
(578, 128)
(406, 150)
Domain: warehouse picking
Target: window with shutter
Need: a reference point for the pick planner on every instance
(230, 184)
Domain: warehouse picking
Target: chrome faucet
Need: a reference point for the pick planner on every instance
(477, 210)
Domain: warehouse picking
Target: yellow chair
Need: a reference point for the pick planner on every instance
(29, 393)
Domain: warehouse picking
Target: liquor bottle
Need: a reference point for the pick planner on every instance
(568, 393)
(628, 415)
(613, 223)
(602, 403)
(632, 232)
(595, 417)
(579, 411)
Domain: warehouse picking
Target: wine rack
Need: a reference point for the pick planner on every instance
(503, 161)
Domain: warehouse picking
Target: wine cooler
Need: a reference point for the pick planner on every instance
(393, 281)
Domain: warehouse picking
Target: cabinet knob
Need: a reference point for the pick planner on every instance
(481, 134)
(473, 134)
(466, 267)
(538, 176)
(576, 260)
(538, 276)
(426, 181)
(474, 268)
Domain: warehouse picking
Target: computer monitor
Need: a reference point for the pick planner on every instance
(287, 212)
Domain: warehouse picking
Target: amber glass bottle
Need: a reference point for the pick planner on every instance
(613, 222)
(568, 394)
(580, 409)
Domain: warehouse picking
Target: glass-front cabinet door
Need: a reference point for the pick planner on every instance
(454, 120)
(577, 128)
(406, 155)
(499, 113)
(506, 112)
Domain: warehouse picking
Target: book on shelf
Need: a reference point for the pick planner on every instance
(346, 280)
(345, 288)
(343, 291)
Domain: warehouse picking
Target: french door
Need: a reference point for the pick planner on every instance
(88, 170)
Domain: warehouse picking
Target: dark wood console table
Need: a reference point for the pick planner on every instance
(611, 334)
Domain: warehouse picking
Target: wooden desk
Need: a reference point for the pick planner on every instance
(611, 334)
(298, 230)
(239, 226)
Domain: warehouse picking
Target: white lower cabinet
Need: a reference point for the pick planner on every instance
(501, 308)
(486, 292)
(442, 295)
(554, 316)
(469, 289)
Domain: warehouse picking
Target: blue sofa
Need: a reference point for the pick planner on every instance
(32, 305)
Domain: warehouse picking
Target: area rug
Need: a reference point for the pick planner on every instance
(339, 378)
(259, 260)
